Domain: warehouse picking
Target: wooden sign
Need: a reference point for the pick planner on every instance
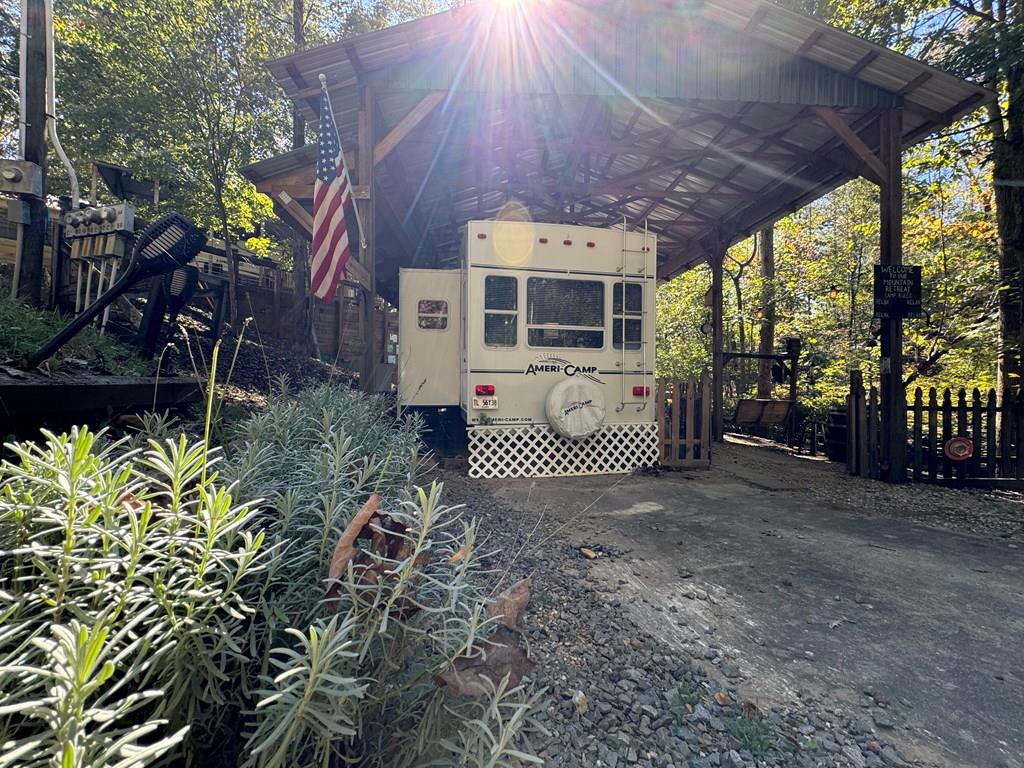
(897, 291)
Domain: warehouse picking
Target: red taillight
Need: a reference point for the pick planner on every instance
(567, 242)
(481, 236)
(641, 391)
(591, 245)
(543, 241)
(485, 390)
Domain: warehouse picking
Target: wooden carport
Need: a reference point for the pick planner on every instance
(707, 119)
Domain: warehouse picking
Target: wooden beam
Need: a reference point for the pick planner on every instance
(406, 125)
(755, 19)
(312, 92)
(716, 258)
(892, 392)
(302, 221)
(364, 154)
(853, 142)
(810, 42)
(916, 83)
(864, 62)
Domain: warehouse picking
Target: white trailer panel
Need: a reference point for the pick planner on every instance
(429, 337)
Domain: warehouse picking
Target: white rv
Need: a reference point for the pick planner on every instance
(544, 340)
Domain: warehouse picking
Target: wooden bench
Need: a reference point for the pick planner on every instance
(763, 413)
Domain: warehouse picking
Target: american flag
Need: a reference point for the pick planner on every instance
(332, 194)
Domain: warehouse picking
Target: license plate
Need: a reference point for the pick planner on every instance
(485, 403)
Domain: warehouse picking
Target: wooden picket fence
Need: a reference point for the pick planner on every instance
(933, 418)
(684, 423)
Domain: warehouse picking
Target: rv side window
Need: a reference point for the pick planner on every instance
(562, 313)
(501, 305)
(628, 318)
(432, 314)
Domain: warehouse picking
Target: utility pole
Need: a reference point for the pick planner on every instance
(29, 277)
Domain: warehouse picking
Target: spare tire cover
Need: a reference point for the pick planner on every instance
(575, 408)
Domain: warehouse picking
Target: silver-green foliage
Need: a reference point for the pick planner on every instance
(147, 617)
(120, 601)
(315, 459)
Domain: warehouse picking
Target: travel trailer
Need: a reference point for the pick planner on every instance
(543, 340)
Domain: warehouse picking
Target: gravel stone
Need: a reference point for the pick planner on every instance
(646, 704)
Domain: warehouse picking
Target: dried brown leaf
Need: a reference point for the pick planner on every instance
(588, 553)
(503, 654)
(509, 605)
(346, 547)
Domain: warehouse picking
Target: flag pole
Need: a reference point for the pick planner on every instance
(344, 165)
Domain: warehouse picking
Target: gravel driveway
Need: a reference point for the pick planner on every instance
(771, 611)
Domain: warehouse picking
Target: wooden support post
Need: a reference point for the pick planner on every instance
(28, 275)
(716, 259)
(368, 257)
(793, 352)
(893, 394)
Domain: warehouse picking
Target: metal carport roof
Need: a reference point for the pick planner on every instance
(708, 119)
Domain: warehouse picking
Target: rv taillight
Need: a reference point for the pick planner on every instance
(567, 242)
(641, 391)
(485, 390)
(481, 236)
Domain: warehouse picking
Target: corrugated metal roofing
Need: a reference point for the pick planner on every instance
(697, 116)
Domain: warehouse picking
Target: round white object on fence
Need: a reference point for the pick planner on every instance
(575, 408)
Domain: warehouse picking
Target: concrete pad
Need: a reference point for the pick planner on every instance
(915, 628)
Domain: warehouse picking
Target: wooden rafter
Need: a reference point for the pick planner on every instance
(853, 142)
(407, 124)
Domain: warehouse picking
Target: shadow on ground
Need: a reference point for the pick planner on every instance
(788, 577)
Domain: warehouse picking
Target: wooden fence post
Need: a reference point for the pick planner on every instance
(918, 419)
(1005, 436)
(705, 419)
(933, 433)
(990, 429)
(961, 428)
(675, 421)
(854, 429)
(873, 469)
(976, 432)
(947, 432)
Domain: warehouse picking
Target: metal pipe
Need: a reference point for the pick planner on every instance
(51, 108)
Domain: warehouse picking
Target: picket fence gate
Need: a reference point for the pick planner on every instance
(933, 419)
(684, 423)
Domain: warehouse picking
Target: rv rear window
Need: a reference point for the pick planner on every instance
(432, 314)
(501, 305)
(560, 313)
(630, 319)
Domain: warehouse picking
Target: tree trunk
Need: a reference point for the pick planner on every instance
(1007, 171)
(232, 257)
(1008, 165)
(300, 249)
(767, 341)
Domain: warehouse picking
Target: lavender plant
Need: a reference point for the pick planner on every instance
(146, 617)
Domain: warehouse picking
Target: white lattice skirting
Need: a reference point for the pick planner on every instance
(538, 451)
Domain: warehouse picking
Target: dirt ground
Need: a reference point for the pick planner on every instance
(794, 580)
